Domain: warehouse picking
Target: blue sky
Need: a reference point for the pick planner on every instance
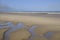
(31, 5)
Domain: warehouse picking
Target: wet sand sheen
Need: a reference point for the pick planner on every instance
(43, 23)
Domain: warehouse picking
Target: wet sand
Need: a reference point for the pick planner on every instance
(44, 22)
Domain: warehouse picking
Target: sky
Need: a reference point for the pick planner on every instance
(29, 5)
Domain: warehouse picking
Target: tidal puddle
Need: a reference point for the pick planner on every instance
(12, 28)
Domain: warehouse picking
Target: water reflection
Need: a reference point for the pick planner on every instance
(7, 25)
(48, 35)
(31, 30)
(33, 34)
(20, 25)
(13, 28)
(10, 24)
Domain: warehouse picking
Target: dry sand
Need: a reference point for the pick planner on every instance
(31, 20)
(21, 34)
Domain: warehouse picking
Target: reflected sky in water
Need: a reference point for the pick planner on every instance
(19, 26)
